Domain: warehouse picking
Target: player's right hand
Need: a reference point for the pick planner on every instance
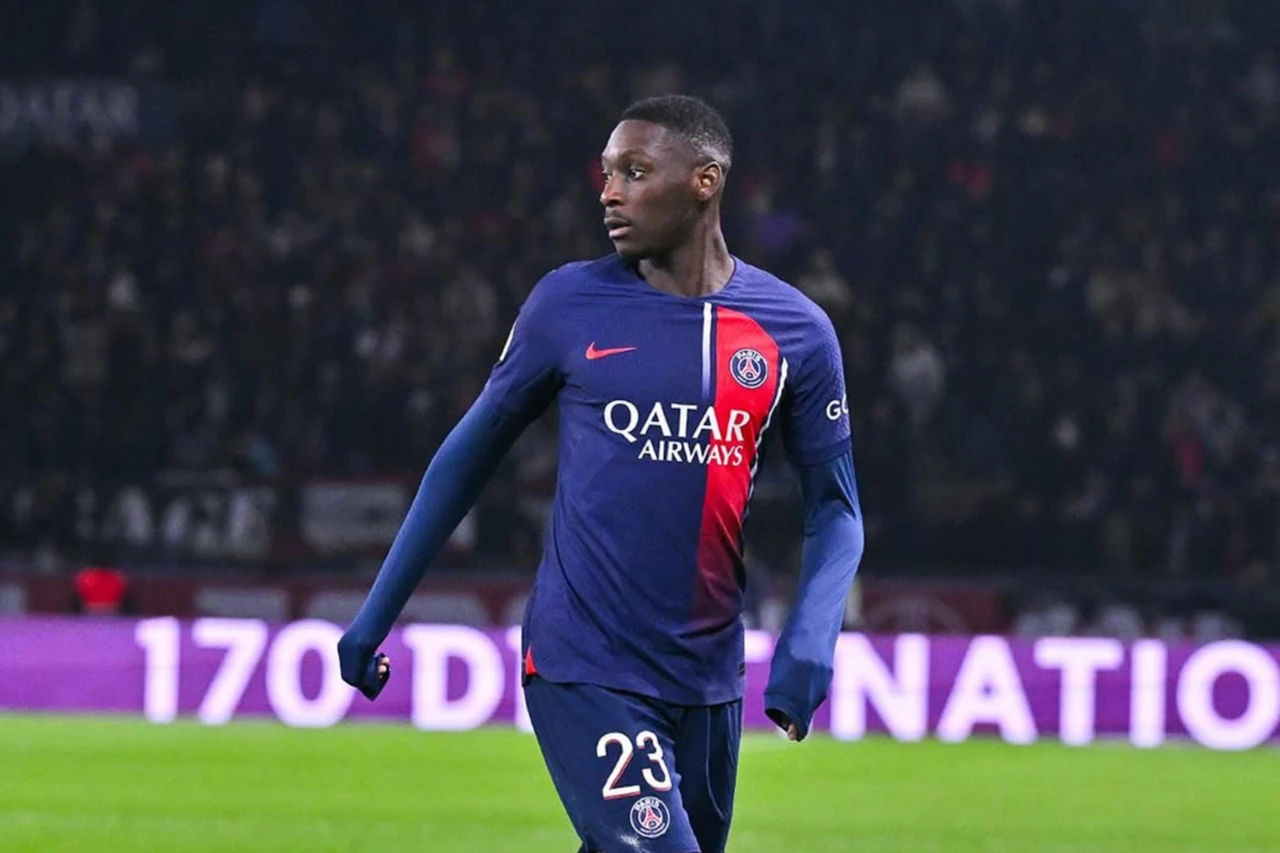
(361, 668)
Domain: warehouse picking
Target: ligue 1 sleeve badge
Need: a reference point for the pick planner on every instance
(650, 817)
(749, 368)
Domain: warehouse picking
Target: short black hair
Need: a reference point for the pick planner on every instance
(693, 119)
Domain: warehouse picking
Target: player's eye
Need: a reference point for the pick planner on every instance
(635, 174)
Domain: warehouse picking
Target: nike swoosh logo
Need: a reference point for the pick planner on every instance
(593, 353)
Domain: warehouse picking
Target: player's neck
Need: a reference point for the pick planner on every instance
(700, 267)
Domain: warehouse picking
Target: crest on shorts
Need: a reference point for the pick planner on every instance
(650, 817)
(749, 368)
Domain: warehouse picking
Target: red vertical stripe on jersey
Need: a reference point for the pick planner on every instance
(728, 486)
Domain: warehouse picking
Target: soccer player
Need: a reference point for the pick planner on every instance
(672, 362)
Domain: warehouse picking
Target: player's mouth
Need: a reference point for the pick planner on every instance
(618, 227)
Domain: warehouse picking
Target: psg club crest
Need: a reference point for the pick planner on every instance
(749, 368)
(649, 817)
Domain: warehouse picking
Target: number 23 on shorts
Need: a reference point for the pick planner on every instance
(658, 777)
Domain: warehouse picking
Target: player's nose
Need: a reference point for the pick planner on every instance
(611, 195)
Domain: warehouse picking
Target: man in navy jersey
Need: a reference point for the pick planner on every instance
(672, 362)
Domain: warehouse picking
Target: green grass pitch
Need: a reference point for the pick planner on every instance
(108, 785)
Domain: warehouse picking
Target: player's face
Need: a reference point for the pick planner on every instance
(651, 192)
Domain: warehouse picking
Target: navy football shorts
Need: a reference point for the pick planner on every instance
(638, 774)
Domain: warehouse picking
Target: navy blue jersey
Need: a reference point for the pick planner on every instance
(665, 403)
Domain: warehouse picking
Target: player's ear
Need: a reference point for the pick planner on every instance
(709, 180)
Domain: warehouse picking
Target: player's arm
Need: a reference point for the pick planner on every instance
(815, 428)
(833, 541)
(521, 386)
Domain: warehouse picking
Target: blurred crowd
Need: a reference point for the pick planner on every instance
(1048, 234)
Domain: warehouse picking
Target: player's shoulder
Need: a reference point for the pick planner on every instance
(574, 277)
(782, 299)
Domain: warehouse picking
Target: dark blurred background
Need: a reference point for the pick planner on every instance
(257, 257)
